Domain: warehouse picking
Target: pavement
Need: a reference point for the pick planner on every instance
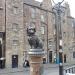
(48, 70)
(12, 70)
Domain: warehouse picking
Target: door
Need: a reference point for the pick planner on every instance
(64, 58)
(0, 55)
(2, 50)
(50, 56)
(14, 61)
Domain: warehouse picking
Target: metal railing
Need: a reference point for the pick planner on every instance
(70, 70)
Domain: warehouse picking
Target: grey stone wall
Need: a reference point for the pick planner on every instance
(14, 31)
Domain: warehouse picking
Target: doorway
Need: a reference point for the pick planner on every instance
(14, 61)
(50, 56)
(2, 50)
(64, 58)
(0, 55)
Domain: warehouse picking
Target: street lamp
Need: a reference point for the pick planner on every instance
(59, 36)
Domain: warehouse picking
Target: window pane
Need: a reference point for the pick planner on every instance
(15, 27)
(33, 12)
(42, 18)
(1, 4)
(15, 42)
(42, 30)
(15, 10)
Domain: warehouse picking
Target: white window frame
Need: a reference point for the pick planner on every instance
(15, 27)
(42, 30)
(15, 10)
(33, 13)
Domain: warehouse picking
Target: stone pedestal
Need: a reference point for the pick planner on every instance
(36, 61)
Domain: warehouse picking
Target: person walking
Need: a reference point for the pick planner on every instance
(25, 63)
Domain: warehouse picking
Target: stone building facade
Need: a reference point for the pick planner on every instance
(40, 15)
(15, 17)
(73, 37)
(67, 27)
(14, 33)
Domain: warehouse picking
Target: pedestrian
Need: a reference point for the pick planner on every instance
(25, 63)
(28, 63)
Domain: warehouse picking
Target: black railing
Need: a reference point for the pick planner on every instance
(70, 70)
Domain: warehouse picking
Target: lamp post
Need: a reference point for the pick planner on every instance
(59, 50)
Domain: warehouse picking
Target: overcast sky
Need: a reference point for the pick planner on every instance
(72, 6)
